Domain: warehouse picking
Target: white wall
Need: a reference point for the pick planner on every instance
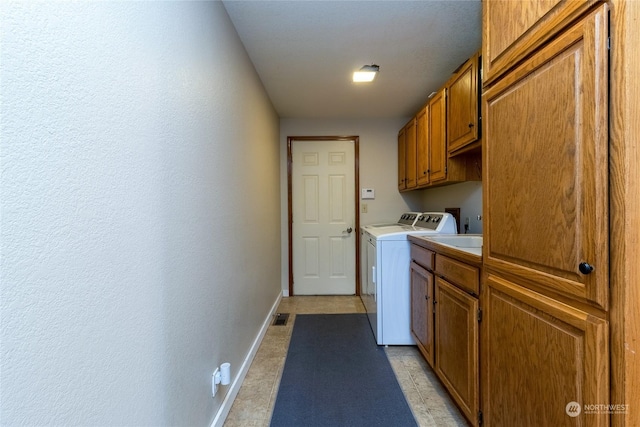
(378, 168)
(467, 196)
(136, 142)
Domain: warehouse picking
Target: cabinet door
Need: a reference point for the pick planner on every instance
(514, 29)
(422, 146)
(538, 355)
(546, 166)
(462, 106)
(456, 343)
(438, 137)
(422, 310)
(410, 156)
(402, 183)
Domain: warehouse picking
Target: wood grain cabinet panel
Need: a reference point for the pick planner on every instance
(402, 161)
(546, 166)
(438, 137)
(538, 355)
(422, 327)
(422, 146)
(464, 275)
(410, 154)
(462, 106)
(456, 345)
(512, 30)
(423, 256)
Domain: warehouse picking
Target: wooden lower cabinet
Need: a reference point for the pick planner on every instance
(456, 344)
(538, 356)
(422, 310)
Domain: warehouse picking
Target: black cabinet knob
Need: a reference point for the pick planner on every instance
(585, 268)
(471, 125)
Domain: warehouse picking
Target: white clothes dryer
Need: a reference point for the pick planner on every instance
(385, 277)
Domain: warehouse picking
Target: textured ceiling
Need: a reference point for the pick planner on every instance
(305, 52)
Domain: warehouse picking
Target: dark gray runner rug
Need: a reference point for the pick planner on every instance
(336, 375)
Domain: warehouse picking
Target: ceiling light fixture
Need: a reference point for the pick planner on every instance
(366, 74)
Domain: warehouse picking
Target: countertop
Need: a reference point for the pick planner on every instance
(469, 255)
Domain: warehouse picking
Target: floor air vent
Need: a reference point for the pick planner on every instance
(281, 319)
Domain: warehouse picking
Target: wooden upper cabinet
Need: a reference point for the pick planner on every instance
(410, 154)
(462, 106)
(538, 355)
(422, 146)
(437, 116)
(402, 160)
(546, 166)
(506, 41)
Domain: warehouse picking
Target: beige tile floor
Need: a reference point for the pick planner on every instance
(430, 403)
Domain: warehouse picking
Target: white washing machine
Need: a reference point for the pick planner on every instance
(385, 277)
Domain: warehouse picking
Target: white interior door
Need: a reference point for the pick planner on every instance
(323, 210)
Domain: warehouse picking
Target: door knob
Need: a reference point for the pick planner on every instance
(585, 268)
(348, 230)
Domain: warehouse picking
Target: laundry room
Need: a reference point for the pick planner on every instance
(165, 246)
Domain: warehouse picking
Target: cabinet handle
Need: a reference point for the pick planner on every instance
(426, 297)
(471, 125)
(585, 268)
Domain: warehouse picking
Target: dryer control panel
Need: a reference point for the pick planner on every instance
(442, 222)
(409, 218)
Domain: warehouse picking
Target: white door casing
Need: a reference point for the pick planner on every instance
(324, 231)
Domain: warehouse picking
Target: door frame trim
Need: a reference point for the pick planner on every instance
(356, 162)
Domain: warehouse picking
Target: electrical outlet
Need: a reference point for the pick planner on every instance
(215, 380)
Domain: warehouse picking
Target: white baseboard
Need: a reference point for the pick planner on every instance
(221, 416)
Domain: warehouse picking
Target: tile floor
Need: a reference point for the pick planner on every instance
(430, 403)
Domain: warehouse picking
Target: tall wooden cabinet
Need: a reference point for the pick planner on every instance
(512, 30)
(556, 148)
(539, 355)
(546, 293)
